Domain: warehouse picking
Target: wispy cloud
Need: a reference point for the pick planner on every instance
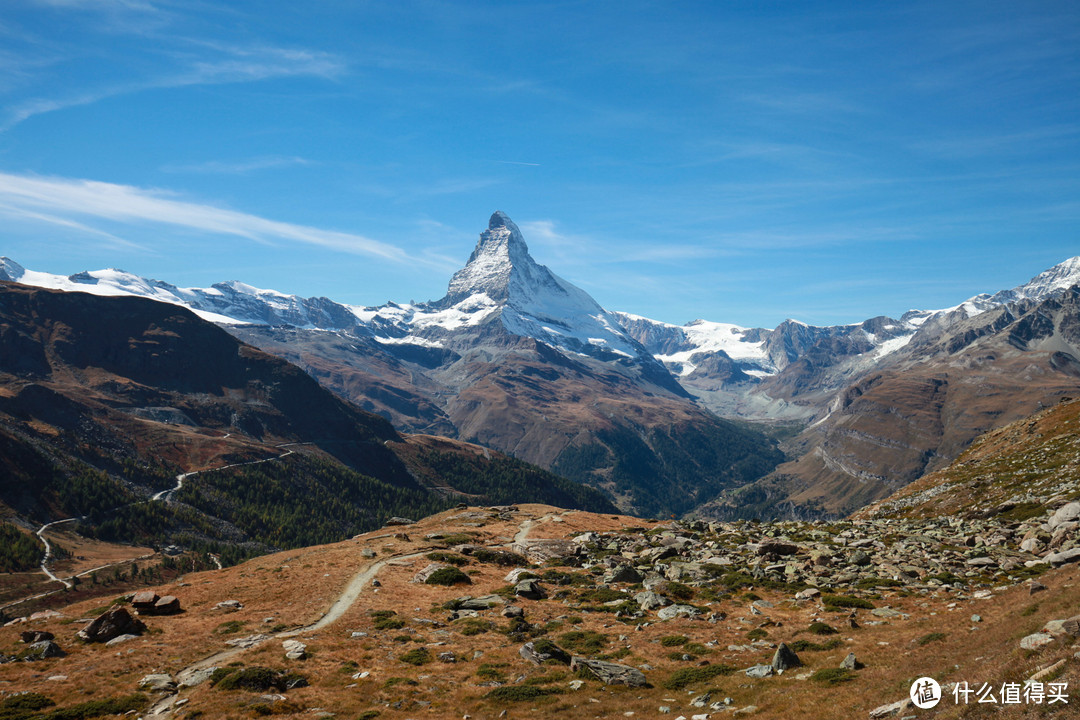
(238, 167)
(55, 200)
(235, 64)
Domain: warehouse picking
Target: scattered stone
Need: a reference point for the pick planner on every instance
(394, 521)
(976, 618)
(120, 639)
(539, 652)
(193, 677)
(760, 671)
(231, 605)
(609, 673)
(623, 574)
(42, 650)
(785, 658)
(1035, 586)
(513, 611)
(890, 710)
(1064, 557)
(673, 611)
(294, 649)
(34, 636)
(112, 623)
(530, 590)
(144, 600)
(851, 662)
(248, 641)
(447, 657)
(158, 682)
(483, 602)
(166, 605)
(649, 600)
(808, 594)
(1036, 641)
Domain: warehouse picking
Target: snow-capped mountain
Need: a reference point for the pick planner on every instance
(227, 303)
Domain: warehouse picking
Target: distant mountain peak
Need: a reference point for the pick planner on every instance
(500, 265)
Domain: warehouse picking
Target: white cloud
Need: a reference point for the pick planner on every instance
(238, 167)
(238, 65)
(56, 199)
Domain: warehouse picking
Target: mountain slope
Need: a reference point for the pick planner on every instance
(104, 401)
(920, 411)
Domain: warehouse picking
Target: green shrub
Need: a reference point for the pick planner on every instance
(757, 634)
(803, 645)
(583, 642)
(448, 558)
(931, 637)
(820, 628)
(519, 693)
(689, 676)
(845, 601)
(473, 626)
(500, 557)
(417, 656)
(674, 640)
(256, 679)
(679, 591)
(832, 676)
(448, 576)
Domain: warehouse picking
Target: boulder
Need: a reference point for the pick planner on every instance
(541, 651)
(112, 623)
(294, 649)
(157, 682)
(167, 605)
(851, 662)
(777, 548)
(34, 636)
(1069, 512)
(195, 676)
(623, 574)
(229, 605)
(41, 651)
(785, 658)
(398, 521)
(483, 602)
(530, 590)
(759, 671)
(1064, 557)
(673, 611)
(144, 600)
(1036, 641)
(609, 673)
(649, 600)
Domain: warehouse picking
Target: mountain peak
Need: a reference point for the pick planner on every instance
(499, 256)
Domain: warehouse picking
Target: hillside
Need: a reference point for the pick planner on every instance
(138, 422)
(680, 618)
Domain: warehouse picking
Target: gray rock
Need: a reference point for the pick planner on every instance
(859, 558)
(784, 659)
(41, 650)
(229, 605)
(119, 639)
(294, 649)
(851, 662)
(623, 574)
(1064, 557)
(513, 611)
(530, 590)
(394, 521)
(110, 624)
(808, 594)
(760, 671)
(1066, 513)
(539, 652)
(649, 600)
(483, 602)
(1036, 641)
(191, 678)
(157, 682)
(777, 548)
(890, 710)
(673, 611)
(35, 636)
(609, 673)
(447, 657)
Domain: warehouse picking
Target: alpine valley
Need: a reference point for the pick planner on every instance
(709, 418)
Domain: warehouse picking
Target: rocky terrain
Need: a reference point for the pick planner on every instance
(520, 610)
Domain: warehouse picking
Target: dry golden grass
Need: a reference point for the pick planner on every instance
(293, 589)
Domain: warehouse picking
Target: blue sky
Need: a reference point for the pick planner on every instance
(743, 162)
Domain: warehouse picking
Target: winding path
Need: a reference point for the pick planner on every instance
(162, 496)
(339, 607)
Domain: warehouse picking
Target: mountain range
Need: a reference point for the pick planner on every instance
(663, 418)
